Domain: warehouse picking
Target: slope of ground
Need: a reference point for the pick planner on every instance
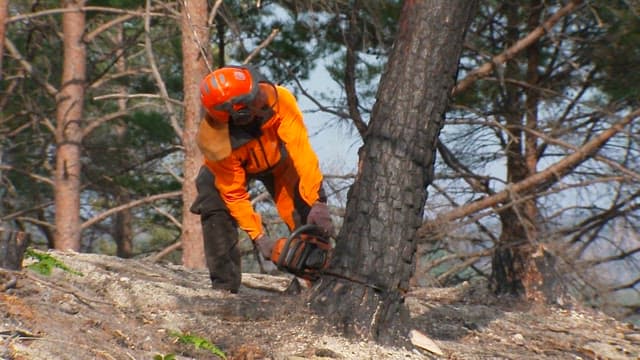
(134, 309)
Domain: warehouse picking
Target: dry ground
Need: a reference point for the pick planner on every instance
(131, 309)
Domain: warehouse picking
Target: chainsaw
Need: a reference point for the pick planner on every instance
(305, 253)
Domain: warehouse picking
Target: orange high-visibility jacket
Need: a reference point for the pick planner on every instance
(284, 128)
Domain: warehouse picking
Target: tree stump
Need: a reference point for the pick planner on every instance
(12, 247)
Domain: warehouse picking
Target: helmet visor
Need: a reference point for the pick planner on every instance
(257, 105)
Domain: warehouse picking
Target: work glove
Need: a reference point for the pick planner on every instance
(319, 215)
(265, 244)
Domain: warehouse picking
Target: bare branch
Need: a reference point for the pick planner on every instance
(133, 96)
(36, 221)
(550, 174)
(214, 12)
(171, 218)
(97, 83)
(633, 174)
(94, 124)
(25, 211)
(84, 9)
(488, 67)
(156, 73)
(262, 45)
(100, 29)
(130, 205)
(320, 106)
(51, 90)
(29, 174)
(166, 251)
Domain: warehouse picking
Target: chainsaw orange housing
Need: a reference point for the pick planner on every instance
(291, 255)
(277, 249)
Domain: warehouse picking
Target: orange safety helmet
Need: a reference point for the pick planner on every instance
(233, 93)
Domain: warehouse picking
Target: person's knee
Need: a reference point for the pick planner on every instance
(208, 200)
(219, 221)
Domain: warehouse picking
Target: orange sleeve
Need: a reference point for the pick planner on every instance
(232, 184)
(293, 134)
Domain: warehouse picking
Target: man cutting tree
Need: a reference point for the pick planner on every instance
(252, 129)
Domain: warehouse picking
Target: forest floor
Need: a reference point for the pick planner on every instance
(136, 309)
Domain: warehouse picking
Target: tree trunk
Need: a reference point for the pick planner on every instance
(385, 206)
(123, 228)
(69, 129)
(518, 264)
(195, 37)
(12, 247)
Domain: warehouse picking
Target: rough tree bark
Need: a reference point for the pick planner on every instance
(385, 206)
(195, 37)
(69, 129)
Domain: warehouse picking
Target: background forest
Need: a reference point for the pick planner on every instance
(122, 108)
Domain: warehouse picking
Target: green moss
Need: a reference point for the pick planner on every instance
(45, 263)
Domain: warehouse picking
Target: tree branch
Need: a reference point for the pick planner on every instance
(51, 90)
(262, 45)
(551, 173)
(130, 205)
(94, 124)
(29, 174)
(349, 37)
(156, 73)
(488, 67)
(128, 16)
(105, 9)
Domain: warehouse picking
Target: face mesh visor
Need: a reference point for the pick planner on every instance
(247, 108)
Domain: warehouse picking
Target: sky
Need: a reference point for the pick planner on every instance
(334, 144)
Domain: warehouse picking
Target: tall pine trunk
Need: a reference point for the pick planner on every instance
(69, 129)
(385, 207)
(195, 37)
